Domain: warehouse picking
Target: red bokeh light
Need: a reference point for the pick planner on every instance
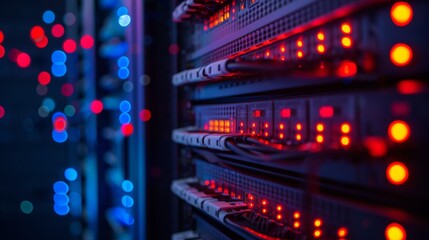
(43, 42)
(37, 33)
(145, 115)
(174, 49)
(326, 111)
(127, 129)
(376, 146)
(86, 41)
(57, 30)
(96, 106)
(1, 36)
(67, 89)
(408, 87)
(44, 78)
(69, 46)
(60, 124)
(13, 54)
(2, 112)
(2, 51)
(23, 60)
(347, 69)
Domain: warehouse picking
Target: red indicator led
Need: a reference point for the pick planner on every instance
(57, 30)
(86, 42)
(60, 124)
(326, 111)
(44, 78)
(69, 46)
(286, 113)
(145, 115)
(127, 129)
(347, 69)
(258, 113)
(408, 87)
(96, 106)
(23, 60)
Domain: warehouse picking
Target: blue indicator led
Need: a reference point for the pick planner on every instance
(127, 186)
(124, 118)
(58, 56)
(125, 106)
(48, 17)
(123, 73)
(58, 69)
(127, 201)
(123, 61)
(121, 11)
(61, 210)
(61, 187)
(70, 174)
(61, 199)
(59, 137)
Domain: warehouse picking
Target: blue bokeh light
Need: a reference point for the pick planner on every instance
(125, 106)
(127, 186)
(61, 210)
(124, 118)
(61, 199)
(123, 73)
(121, 11)
(127, 201)
(58, 70)
(48, 17)
(123, 61)
(124, 20)
(59, 137)
(61, 187)
(57, 115)
(49, 103)
(70, 174)
(58, 56)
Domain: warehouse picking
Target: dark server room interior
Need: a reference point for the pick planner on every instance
(214, 119)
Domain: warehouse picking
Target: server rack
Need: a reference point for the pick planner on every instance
(301, 119)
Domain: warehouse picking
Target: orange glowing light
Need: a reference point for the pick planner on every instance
(283, 49)
(279, 208)
(320, 127)
(241, 124)
(345, 141)
(317, 223)
(319, 139)
(342, 232)
(395, 231)
(399, 131)
(296, 215)
(299, 54)
(266, 134)
(253, 124)
(267, 54)
(320, 48)
(279, 217)
(345, 128)
(298, 126)
(317, 233)
(266, 125)
(241, 131)
(347, 68)
(346, 28)
(401, 54)
(264, 202)
(296, 224)
(321, 36)
(346, 42)
(264, 210)
(298, 137)
(281, 136)
(299, 43)
(251, 205)
(281, 126)
(401, 14)
(397, 173)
